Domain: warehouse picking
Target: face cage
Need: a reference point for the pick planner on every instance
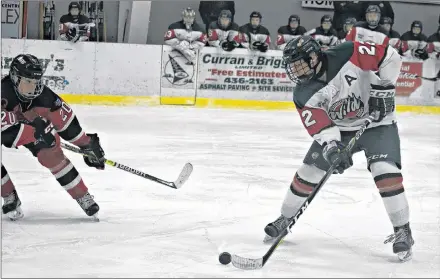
(348, 27)
(291, 68)
(295, 23)
(255, 22)
(416, 30)
(39, 86)
(225, 21)
(326, 25)
(373, 22)
(188, 20)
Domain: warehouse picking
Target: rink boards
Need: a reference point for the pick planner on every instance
(152, 75)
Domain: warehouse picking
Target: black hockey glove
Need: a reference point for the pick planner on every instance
(260, 46)
(229, 45)
(335, 153)
(382, 101)
(43, 133)
(72, 35)
(95, 153)
(420, 54)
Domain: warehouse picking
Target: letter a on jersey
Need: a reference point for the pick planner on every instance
(349, 79)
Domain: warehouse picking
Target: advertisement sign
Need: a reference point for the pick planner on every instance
(11, 19)
(178, 77)
(318, 4)
(407, 83)
(242, 71)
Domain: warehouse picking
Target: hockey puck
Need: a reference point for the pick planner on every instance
(225, 258)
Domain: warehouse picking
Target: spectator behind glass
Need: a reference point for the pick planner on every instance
(210, 10)
(385, 8)
(344, 10)
(68, 26)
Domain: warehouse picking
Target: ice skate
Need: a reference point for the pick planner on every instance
(12, 206)
(274, 229)
(89, 205)
(402, 242)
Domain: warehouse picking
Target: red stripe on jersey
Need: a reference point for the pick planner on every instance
(367, 56)
(314, 120)
(351, 34)
(280, 39)
(212, 35)
(170, 34)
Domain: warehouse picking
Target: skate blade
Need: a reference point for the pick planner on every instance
(268, 239)
(15, 214)
(95, 217)
(405, 256)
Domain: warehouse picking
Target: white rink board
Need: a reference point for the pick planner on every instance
(127, 69)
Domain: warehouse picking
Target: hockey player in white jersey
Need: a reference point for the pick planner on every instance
(325, 34)
(336, 91)
(369, 30)
(224, 33)
(393, 35)
(291, 31)
(255, 36)
(186, 35)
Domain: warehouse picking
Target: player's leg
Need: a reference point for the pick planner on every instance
(382, 148)
(306, 178)
(11, 202)
(66, 174)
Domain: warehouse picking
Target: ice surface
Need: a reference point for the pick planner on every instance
(243, 163)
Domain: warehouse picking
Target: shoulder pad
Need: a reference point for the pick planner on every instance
(176, 25)
(304, 91)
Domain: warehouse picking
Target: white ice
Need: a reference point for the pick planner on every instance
(243, 163)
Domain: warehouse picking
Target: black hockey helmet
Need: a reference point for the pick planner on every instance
(326, 22)
(292, 19)
(416, 27)
(74, 5)
(349, 23)
(372, 16)
(386, 20)
(301, 57)
(26, 73)
(225, 16)
(255, 15)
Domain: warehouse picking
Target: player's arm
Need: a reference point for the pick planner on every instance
(63, 29)
(170, 37)
(281, 42)
(313, 111)
(15, 133)
(67, 125)
(200, 40)
(351, 34)
(213, 39)
(244, 38)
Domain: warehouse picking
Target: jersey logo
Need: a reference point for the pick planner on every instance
(351, 107)
(349, 79)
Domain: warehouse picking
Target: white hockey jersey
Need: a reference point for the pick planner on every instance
(340, 101)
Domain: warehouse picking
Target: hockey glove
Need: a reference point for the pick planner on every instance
(43, 133)
(229, 45)
(382, 101)
(420, 54)
(72, 35)
(260, 46)
(335, 154)
(95, 153)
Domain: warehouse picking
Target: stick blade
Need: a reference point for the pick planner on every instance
(184, 175)
(246, 263)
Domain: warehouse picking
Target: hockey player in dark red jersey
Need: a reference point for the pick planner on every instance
(369, 30)
(325, 34)
(288, 32)
(74, 26)
(186, 35)
(223, 32)
(255, 36)
(336, 90)
(35, 117)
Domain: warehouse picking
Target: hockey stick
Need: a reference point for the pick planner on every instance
(430, 79)
(250, 264)
(184, 174)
